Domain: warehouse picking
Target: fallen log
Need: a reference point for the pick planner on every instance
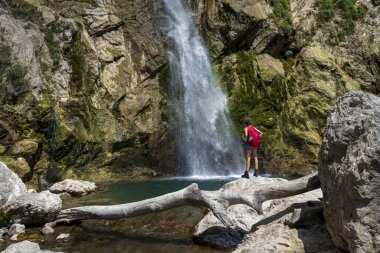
(217, 201)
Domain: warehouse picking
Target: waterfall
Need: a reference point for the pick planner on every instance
(207, 143)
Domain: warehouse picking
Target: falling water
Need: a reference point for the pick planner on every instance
(207, 143)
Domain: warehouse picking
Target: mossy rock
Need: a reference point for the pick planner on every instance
(25, 148)
(19, 165)
(269, 67)
(42, 164)
(2, 149)
(255, 9)
(142, 173)
(100, 175)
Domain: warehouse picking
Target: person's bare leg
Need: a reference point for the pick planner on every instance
(247, 160)
(256, 161)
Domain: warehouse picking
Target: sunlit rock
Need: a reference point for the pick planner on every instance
(73, 187)
(349, 169)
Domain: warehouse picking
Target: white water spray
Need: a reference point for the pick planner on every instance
(207, 142)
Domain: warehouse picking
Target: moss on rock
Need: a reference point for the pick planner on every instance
(19, 165)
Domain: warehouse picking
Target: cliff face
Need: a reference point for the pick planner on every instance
(285, 62)
(80, 86)
(84, 83)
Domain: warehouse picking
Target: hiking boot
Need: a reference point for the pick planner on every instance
(245, 175)
(256, 174)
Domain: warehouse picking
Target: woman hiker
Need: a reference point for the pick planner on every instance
(252, 143)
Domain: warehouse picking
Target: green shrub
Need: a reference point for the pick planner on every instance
(5, 59)
(21, 9)
(53, 45)
(376, 2)
(347, 9)
(16, 76)
(281, 10)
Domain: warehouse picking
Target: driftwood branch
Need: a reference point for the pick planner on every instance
(217, 201)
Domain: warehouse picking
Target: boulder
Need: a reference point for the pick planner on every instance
(210, 231)
(33, 208)
(17, 204)
(73, 187)
(20, 166)
(25, 148)
(16, 229)
(23, 247)
(10, 185)
(349, 170)
(47, 230)
(26, 247)
(268, 230)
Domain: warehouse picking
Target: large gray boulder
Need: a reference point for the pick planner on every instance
(34, 208)
(18, 205)
(26, 247)
(349, 170)
(10, 185)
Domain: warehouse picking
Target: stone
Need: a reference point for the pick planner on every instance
(47, 230)
(268, 232)
(142, 173)
(63, 237)
(14, 237)
(32, 191)
(5, 230)
(25, 148)
(42, 164)
(19, 165)
(2, 149)
(73, 187)
(64, 195)
(23, 46)
(257, 9)
(10, 185)
(271, 234)
(16, 229)
(17, 204)
(211, 232)
(349, 170)
(2, 232)
(33, 208)
(269, 66)
(26, 247)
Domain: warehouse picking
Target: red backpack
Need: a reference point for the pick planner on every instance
(254, 139)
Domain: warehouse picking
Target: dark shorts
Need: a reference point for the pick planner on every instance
(248, 147)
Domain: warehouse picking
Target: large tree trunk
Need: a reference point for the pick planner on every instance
(216, 201)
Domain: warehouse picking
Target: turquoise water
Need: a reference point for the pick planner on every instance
(125, 192)
(165, 232)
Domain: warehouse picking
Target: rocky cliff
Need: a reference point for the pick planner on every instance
(80, 92)
(84, 83)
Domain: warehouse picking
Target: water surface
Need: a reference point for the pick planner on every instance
(164, 232)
